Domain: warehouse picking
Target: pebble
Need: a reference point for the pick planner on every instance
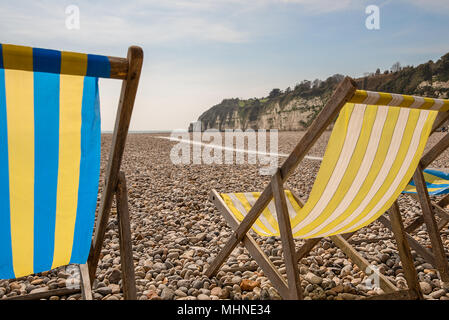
(426, 288)
(177, 232)
(312, 278)
(167, 294)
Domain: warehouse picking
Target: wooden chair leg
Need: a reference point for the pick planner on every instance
(432, 227)
(288, 244)
(415, 224)
(404, 251)
(254, 250)
(438, 207)
(86, 289)
(126, 249)
(124, 111)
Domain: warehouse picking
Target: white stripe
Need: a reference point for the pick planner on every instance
(239, 206)
(383, 172)
(249, 196)
(402, 171)
(352, 135)
(396, 100)
(419, 101)
(371, 98)
(291, 211)
(362, 173)
(437, 105)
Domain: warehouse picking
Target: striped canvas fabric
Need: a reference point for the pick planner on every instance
(399, 100)
(437, 183)
(371, 156)
(49, 157)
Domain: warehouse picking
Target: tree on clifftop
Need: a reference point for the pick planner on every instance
(396, 67)
(275, 93)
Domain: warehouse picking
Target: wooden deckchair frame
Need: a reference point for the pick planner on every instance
(291, 289)
(128, 70)
(436, 256)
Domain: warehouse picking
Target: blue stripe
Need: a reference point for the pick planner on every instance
(45, 60)
(440, 175)
(438, 192)
(432, 193)
(6, 263)
(46, 146)
(89, 171)
(98, 66)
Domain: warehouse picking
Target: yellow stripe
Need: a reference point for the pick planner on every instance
(73, 63)
(410, 188)
(381, 153)
(20, 117)
(247, 207)
(17, 57)
(397, 164)
(433, 189)
(422, 143)
(236, 212)
(231, 207)
(430, 178)
(331, 157)
(268, 214)
(413, 189)
(71, 93)
(351, 170)
(445, 106)
(384, 99)
(359, 96)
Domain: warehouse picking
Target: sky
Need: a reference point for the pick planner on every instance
(199, 52)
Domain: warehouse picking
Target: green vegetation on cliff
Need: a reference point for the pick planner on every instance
(428, 79)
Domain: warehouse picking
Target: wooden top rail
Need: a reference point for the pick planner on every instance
(15, 57)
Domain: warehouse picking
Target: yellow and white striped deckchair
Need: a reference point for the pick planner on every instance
(371, 156)
(50, 141)
(373, 151)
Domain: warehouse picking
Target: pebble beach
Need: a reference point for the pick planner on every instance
(177, 231)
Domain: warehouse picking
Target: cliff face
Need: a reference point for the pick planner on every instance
(292, 115)
(295, 109)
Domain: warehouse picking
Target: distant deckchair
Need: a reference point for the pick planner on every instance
(427, 183)
(50, 163)
(437, 183)
(374, 149)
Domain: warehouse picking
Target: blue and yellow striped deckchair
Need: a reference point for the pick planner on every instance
(49, 155)
(373, 152)
(425, 184)
(437, 183)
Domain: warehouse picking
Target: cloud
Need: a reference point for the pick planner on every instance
(114, 23)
